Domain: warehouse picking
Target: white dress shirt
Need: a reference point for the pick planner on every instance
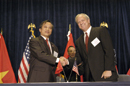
(88, 33)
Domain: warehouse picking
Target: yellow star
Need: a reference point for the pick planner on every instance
(2, 74)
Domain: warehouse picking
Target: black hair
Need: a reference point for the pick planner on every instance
(69, 47)
(40, 26)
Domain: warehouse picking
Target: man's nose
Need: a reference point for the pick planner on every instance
(47, 28)
(81, 23)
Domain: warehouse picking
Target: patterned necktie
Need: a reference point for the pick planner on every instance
(47, 43)
(49, 48)
(86, 41)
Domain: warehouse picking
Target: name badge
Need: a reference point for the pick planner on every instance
(95, 42)
(55, 54)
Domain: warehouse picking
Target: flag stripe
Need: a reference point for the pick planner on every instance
(22, 74)
(24, 65)
(20, 77)
(24, 71)
(75, 67)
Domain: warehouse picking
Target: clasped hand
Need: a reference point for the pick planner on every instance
(106, 74)
(63, 61)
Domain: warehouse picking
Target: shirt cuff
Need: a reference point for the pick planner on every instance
(68, 62)
(57, 60)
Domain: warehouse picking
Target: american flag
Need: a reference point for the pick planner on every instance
(24, 65)
(75, 67)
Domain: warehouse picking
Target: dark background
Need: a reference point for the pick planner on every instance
(16, 15)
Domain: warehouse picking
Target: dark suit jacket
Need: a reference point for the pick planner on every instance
(42, 62)
(71, 75)
(100, 57)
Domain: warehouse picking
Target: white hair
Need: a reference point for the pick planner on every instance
(85, 15)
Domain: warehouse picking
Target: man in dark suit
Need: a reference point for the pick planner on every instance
(43, 57)
(95, 49)
(71, 75)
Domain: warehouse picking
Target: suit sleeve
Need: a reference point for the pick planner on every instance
(108, 49)
(81, 69)
(39, 53)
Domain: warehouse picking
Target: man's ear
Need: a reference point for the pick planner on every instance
(39, 29)
(89, 21)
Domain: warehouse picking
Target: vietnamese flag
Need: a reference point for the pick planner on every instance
(6, 71)
(59, 68)
(128, 73)
(70, 43)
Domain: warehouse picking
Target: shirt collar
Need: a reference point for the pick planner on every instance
(88, 31)
(44, 38)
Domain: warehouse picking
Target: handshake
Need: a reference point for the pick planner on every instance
(64, 61)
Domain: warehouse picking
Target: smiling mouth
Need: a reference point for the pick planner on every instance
(82, 24)
(47, 32)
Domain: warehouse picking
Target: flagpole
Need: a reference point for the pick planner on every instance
(70, 27)
(63, 69)
(60, 77)
(76, 74)
(71, 71)
(70, 75)
(65, 75)
(76, 78)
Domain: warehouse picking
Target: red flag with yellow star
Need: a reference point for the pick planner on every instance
(6, 71)
(59, 68)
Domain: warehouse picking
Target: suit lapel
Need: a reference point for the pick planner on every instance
(83, 44)
(90, 39)
(44, 45)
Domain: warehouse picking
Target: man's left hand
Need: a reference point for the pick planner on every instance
(106, 74)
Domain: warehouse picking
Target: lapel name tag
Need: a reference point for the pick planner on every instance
(55, 54)
(95, 42)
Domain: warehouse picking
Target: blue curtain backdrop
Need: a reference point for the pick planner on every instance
(16, 15)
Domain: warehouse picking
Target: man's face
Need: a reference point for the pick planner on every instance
(46, 29)
(71, 52)
(83, 22)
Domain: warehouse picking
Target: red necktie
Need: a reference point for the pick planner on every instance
(47, 43)
(86, 41)
(49, 48)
